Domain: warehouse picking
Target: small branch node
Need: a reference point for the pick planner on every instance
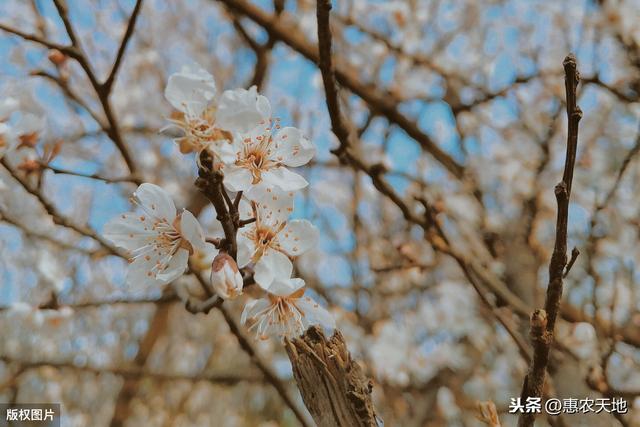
(574, 256)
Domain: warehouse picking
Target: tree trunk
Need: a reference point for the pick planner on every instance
(332, 384)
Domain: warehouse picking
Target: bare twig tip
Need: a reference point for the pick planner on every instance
(570, 61)
(574, 256)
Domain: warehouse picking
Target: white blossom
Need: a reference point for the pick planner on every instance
(285, 311)
(225, 276)
(258, 159)
(271, 240)
(190, 90)
(8, 105)
(204, 120)
(159, 240)
(8, 140)
(240, 110)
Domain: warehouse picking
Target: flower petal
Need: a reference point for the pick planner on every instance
(175, 268)
(254, 308)
(314, 314)
(285, 287)
(284, 179)
(237, 178)
(156, 201)
(273, 206)
(129, 231)
(191, 89)
(30, 123)
(8, 138)
(264, 107)
(190, 229)
(292, 148)
(298, 236)
(272, 265)
(246, 249)
(150, 267)
(240, 110)
(226, 151)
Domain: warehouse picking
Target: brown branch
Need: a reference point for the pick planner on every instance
(379, 102)
(135, 373)
(67, 50)
(543, 321)
(125, 179)
(261, 51)
(630, 333)
(325, 63)
(417, 59)
(57, 217)
(574, 256)
(346, 138)
(209, 181)
(39, 236)
(333, 385)
(72, 96)
(106, 86)
(112, 131)
(75, 51)
(595, 80)
(623, 168)
(205, 306)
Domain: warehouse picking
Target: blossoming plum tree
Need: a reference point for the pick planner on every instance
(234, 130)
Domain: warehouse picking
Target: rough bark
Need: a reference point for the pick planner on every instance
(333, 385)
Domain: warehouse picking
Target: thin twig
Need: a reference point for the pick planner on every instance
(378, 102)
(125, 179)
(38, 236)
(57, 217)
(543, 321)
(227, 379)
(346, 138)
(574, 256)
(106, 86)
(112, 130)
(67, 50)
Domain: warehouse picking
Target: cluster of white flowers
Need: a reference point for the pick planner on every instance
(253, 152)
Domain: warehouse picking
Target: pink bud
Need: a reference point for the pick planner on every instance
(225, 277)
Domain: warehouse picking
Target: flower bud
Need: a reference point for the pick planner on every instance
(57, 57)
(225, 277)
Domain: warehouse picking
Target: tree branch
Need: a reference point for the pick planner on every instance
(379, 102)
(543, 321)
(125, 179)
(332, 384)
(209, 181)
(135, 373)
(67, 50)
(57, 217)
(112, 130)
(106, 86)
